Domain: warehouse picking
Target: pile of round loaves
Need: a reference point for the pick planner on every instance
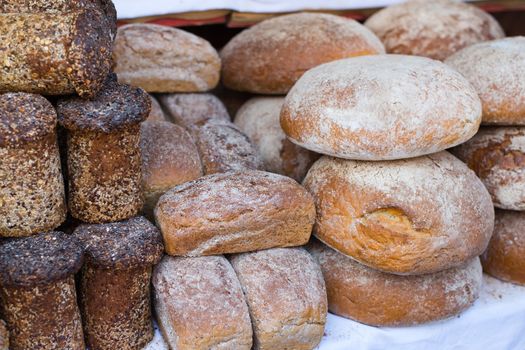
(362, 115)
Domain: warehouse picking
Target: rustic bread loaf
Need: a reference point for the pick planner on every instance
(32, 197)
(233, 213)
(381, 107)
(4, 336)
(164, 59)
(497, 155)
(223, 147)
(286, 296)
(382, 299)
(55, 53)
(37, 292)
(193, 110)
(200, 304)
(269, 57)
(169, 158)
(409, 217)
(259, 120)
(103, 152)
(492, 68)
(156, 114)
(505, 255)
(434, 29)
(115, 282)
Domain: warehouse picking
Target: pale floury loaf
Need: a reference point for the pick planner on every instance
(381, 107)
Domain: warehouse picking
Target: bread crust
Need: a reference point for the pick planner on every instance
(4, 336)
(434, 29)
(406, 217)
(286, 296)
(269, 57)
(381, 299)
(234, 212)
(505, 255)
(156, 114)
(497, 156)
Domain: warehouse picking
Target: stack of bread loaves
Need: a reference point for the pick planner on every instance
(62, 48)
(497, 152)
(402, 221)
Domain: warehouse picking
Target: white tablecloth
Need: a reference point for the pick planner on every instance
(495, 322)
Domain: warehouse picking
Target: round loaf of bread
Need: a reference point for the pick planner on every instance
(269, 57)
(381, 107)
(382, 299)
(497, 156)
(505, 255)
(495, 69)
(233, 213)
(164, 59)
(259, 120)
(409, 217)
(434, 29)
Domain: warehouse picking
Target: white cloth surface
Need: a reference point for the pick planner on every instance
(496, 321)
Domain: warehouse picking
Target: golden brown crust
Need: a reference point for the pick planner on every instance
(269, 57)
(505, 255)
(497, 156)
(286, 296)
(380, 299)
(407, 217)
(234, 212)
(434, 29)
(200, 304)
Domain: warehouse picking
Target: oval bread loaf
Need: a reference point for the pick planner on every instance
(381, 107)
(406, 217)
(235, 212)
(382, 299)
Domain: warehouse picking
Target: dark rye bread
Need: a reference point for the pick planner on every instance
(234, 212)
(286, 296)
(37, 292)
(56, 53)
(382, 299)
(223, 147)
(32, 196)
(104, 160)
(115, 282)
(200, 305)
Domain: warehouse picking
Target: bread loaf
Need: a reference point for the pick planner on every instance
(223, 147)
(381, 107)
(4, 336)
(381, 299)
(115, 282)
(37, 292)
(169, 158)
(164, 59)
(406, 217)
(434, 29)
(497, 155)
(200, 305)
(269, 57)
(55, 53)
(258, 118)
(286, 296)
(156, 114)
(505, 255)
(492, 69)
(103, 152)
(234, 212)
(32, 198)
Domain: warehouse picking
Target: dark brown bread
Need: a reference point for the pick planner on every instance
(56, 53)
(115, 282)
(4, 336)
(104, 163)
(286, 296)
(32, 198)
(200, 304)
(234, 212)
(381, 299)
(505, 255)
(37, 292)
